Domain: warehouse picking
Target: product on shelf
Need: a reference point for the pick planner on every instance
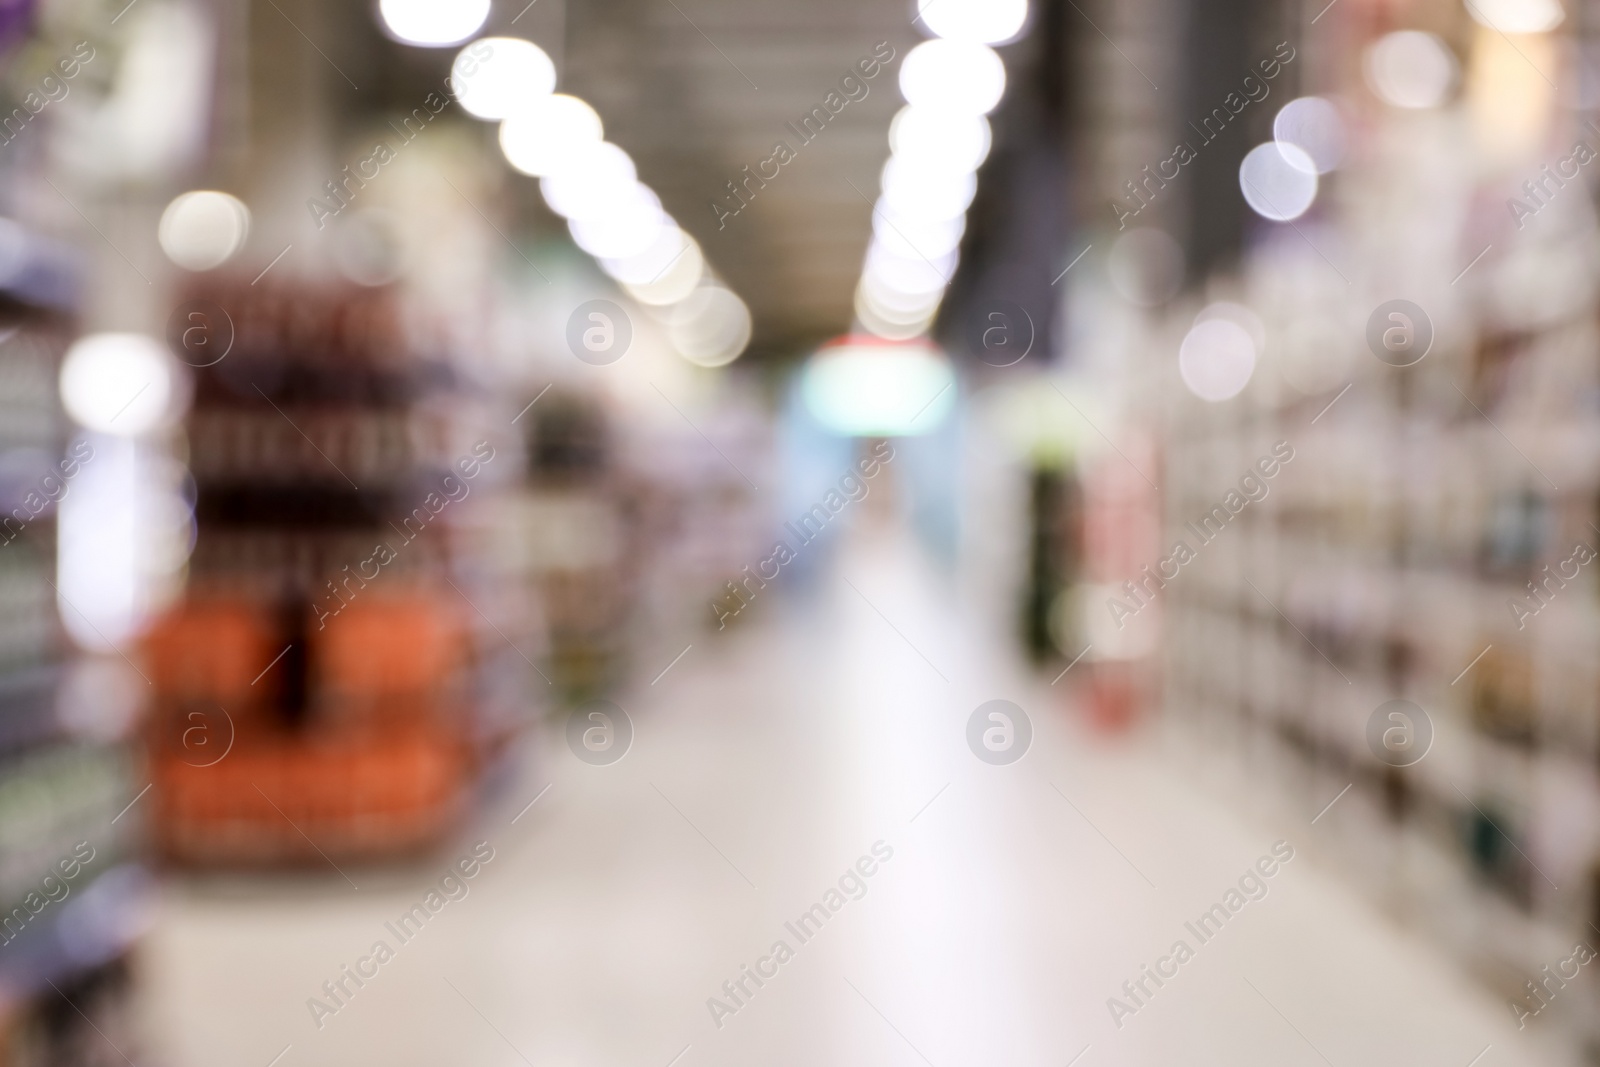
(1418, 548)
(69, 891)
(318, 690)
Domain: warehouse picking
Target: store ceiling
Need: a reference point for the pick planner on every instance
(695, 90)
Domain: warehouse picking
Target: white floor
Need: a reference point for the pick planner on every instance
(1017, 900)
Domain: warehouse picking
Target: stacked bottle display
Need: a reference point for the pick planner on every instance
(327, 650)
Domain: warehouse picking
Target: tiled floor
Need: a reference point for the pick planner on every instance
(1016, 901)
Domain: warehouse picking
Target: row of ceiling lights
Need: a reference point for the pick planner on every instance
(553, 136)
(937, 141)
(860, 385)
(590, 182)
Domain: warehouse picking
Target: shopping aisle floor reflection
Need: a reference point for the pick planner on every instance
(804, 781)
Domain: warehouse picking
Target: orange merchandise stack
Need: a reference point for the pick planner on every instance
(317, 694)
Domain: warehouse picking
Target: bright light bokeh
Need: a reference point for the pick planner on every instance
(117, 383)
(919, 194)
(976, 21)
(953, 76)
(514, 76)
(670, 244)
(861, 387)
(201, 230)
(1313, 125)
(1216, 359)
(629, 231)
(98, 546)
(907, 237)
(896, 319)
(1279, 181)
(1517, 16)
(937, 142)
(910, 274)
(597, 178)
(940, 141)
(897, 303)
(537, 139)
(673, 282)
(711, 327)
(433, 23)
(593, 184)
(1410, 69)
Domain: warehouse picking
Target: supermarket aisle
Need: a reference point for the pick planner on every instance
(818, 756)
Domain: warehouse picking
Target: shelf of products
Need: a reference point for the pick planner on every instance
(330, 649)
(1385, 562)
(628, 525)
(71, 891)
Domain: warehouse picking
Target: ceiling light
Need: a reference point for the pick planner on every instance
(711, 327)
(514, 75)
(977, 21)
(670, 244)
(939, 141)
(626, 231)
(953, 76)
(930, 197)
(882, 261)
(676, 281)
(595, 178)
(895, 321)
(897, 303)
(906, 237)
(910, 275)
(433, 23)
(900, 307)
(537, 139)
(891, 328)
